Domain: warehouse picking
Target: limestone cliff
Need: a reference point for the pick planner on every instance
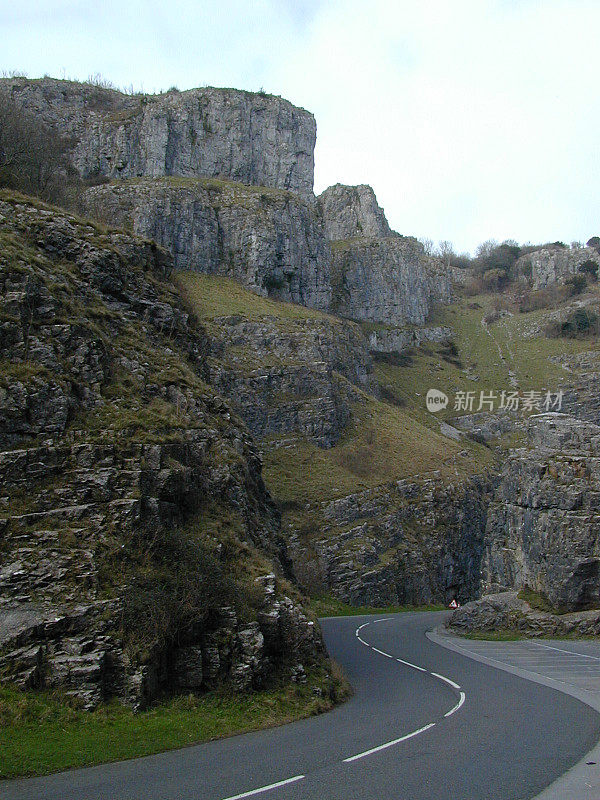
(376, 274)
(543, 526)
(270, 240)
(139, 548)
(553, 264)
(350, 211)
(253, 138)
(223, 179)
(390, 281)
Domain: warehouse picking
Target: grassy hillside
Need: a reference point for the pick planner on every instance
(382, 443)
(511, 353)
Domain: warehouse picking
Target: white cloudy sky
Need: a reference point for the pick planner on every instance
(472, 119)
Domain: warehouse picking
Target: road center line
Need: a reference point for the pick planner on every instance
(457, 706)
(265, 788)
(389, 744)
(381, 653)
(408, 664)
(462, 697)
(444, 678)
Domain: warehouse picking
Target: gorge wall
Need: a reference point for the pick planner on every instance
(543, 524)
(255, 139)
(554, 264)
(112, 418)
(161, 151)
(140, 549)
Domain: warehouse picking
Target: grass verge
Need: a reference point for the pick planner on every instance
(44, 732)
(327, 606)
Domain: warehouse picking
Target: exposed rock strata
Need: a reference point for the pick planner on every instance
(117, 460)
(291, 377)
(543, 527)
(505, 611)
(387, 280)
(413, 542)
(553, 264)
(251, 138)
(388, 339)
(271, 241)
(351, 211)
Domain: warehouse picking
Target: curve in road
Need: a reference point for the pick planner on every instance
(406, 733)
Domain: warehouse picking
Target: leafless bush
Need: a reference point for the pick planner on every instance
(33, 158)
(549, 297)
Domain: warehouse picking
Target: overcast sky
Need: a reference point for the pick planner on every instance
(472, 119)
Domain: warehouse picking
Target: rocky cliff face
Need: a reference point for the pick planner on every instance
(543, 524)
(553, 264)
(252, 138)
(138, 541)
(294, 379)
(412, 542)
(270, 240)
(274, 239)
(376, 274)
(351, 211)
(390, 280)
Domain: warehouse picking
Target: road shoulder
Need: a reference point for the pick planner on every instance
(582, 781)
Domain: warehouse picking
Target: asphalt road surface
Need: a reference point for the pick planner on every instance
(425, 723)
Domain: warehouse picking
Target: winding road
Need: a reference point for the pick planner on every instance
(425, 723)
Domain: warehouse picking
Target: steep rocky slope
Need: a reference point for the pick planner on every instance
(138, 544)
(381, 501)
(377, 275)
(377, 507)
(351, 211)
(543, 528)
(252, 138)
(553, 264)
(259, 221)
(388, 281)
(270, 240)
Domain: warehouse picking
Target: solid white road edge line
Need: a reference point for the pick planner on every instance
(457, 706)
(444, 678)
(389, 744)
(265, 788)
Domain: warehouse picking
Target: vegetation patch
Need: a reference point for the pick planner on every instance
(213, 296)
(328, 606)
(43, 732)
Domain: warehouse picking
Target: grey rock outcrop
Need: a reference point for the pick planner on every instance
(387, 280)
(390, 339)
(505, 611)
(544, 522)
(291, 376)
(351, 211)
(412, 542)
(113, 443)
(553, 264)
(252, 138)
(270, 240)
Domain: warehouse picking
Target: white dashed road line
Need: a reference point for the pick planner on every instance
(457, 706)
(450, 682)
(385, 745)
(444, 678)
(266, 788)
(389, 744)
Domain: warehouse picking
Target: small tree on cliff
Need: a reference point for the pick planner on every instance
(32, 157)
